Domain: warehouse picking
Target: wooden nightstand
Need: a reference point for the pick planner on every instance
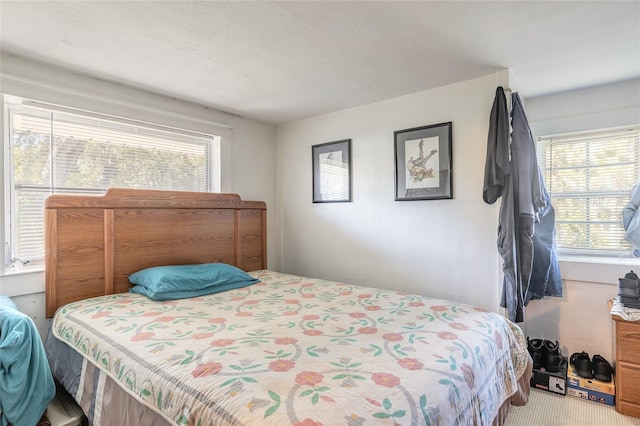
(627, 372)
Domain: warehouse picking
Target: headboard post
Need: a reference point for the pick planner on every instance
(109, 256)
(264, 239)
(93, 243)
(51, 257)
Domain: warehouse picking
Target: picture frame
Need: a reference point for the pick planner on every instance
(423, 157)
(332, 172)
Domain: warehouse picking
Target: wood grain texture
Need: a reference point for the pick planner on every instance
(51, 260)
(627, 371)
(109, 255)
(138, 198)
(94, 243)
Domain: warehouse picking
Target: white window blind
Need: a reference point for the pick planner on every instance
(53, 152)
(589, 177)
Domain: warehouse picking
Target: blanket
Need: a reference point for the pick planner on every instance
(293, 350)
(26, 383)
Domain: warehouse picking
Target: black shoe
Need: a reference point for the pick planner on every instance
(601, 368)
(536, 347)
(556, 364)
(551, 355)
(582, 364)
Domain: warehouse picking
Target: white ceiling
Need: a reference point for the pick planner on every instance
(282, 61)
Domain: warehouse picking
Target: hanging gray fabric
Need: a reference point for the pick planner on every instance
(539, 264)
(497, 167)
(512, 289)
(545, 278)
(528, 200)
(520, 183)
(545, 274)
(523, 154)
(497, 183)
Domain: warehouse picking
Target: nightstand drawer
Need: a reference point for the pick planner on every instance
(629, 342)
(628, 382)
(627, 367)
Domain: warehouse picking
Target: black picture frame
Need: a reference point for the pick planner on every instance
(424, 162)
(332, 172)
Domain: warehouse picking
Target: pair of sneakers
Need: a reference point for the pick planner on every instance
(591, 368)
(546, 355)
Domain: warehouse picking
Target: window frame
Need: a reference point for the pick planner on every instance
(8, 206)
(581, 255)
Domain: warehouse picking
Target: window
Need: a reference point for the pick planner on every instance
(54, 150)
(589, 177)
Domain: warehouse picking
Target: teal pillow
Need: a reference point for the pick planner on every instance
(182, 281)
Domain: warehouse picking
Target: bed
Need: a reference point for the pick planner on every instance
(286, 349)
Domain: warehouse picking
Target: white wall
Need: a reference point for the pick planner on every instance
(580, 320)
(443, 248)
(248, 158)
(440, 248)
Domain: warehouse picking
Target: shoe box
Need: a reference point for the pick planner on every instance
(555, 382)
(549, 366)
(590, 389)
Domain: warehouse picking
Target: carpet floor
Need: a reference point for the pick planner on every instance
(547, 409)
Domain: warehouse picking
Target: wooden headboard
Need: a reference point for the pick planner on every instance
(93, 243)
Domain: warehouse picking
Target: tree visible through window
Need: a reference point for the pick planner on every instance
(589, 177)
(61, 153)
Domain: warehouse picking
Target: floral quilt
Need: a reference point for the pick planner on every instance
(291, 350)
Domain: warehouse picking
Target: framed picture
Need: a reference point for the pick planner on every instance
(332, 172)
(423, 163)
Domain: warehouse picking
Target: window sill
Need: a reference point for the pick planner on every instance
(21, 282)
(598, 270)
